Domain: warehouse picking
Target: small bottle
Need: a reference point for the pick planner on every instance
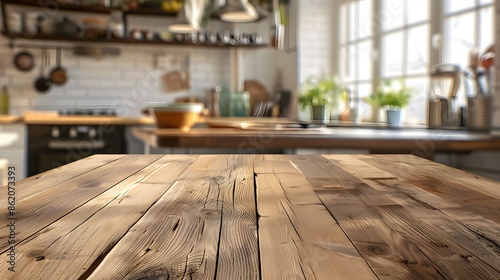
(4, 101)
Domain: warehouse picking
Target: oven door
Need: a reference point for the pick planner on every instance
(57, 155)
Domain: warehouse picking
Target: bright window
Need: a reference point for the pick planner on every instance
(399, 39)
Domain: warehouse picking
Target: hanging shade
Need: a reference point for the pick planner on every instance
(189, 17)
(238, 11)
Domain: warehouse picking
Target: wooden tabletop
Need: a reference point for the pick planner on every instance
(424, 142)
(9, 119)
(252, 217)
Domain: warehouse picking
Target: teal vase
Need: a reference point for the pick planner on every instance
(224, 101)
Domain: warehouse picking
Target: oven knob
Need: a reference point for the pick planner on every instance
(72, 132)
(92, 132)
(55, 132)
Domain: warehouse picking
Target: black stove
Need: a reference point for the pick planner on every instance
(50, 146)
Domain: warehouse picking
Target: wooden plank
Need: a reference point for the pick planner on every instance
(52, 253)
(358, 168)
(238, 249)
(58, 176)
(322, 246)
(282, 255)
(375, 198)
(467, 180)
(479, 237)
(178, 237)
(475, 234)
(297, 190)
(451, 190)
(36, 212)
(273, 166)
(451, 257)
(390, 254)
(309, 169)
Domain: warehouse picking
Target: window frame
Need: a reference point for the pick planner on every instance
(437, 32)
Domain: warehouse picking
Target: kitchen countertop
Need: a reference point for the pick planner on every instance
(86, 120)
(9, 119)
(253, 217)
(423, 142)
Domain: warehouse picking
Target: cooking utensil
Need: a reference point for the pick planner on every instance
(42, 84)
(58, 74)
(24, 61)
(258, 92)
(488, 60)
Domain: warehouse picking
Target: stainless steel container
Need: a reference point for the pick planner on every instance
(479, 110)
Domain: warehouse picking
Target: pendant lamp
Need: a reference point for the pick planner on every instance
(189, 17)
(238, 11)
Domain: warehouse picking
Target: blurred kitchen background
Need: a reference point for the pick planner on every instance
(109, 65)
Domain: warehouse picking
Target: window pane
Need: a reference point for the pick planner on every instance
(482, 2)
(392, 54)
(392, 14)
(353, 22)
(364, 110)
(418, 50)
(347, 64)
(416, 111)
(364, 52)
(459, 39)
(452, 6)
(344, 23)
(486, 17)
(418, 11)
(365, 19)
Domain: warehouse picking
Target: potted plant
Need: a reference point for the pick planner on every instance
(318, 94)
(391, 96)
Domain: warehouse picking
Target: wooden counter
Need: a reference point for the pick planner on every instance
(421, 141)
(9, 119)
(87, 120)
(252, 217)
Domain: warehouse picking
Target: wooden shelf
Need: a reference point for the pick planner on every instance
(126, 41)
(65, 7)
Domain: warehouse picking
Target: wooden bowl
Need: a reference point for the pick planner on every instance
(176, 115)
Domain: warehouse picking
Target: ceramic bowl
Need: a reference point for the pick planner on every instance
(176, 115)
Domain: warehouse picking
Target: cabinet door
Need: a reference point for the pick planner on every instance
(14, 151)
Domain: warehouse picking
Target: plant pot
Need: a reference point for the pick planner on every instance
(393, 117)
(318, 112)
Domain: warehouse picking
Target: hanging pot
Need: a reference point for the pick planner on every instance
(58, 74)
(24, 61)
(42, 84)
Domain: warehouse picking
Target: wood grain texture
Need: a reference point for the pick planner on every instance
(73, 244)
(53, 203)
(486, 249)
(254, 217)
(58, 176)
(238, 245)
(179, 235)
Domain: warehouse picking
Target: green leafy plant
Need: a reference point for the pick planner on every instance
(318, 92)
(391, 95)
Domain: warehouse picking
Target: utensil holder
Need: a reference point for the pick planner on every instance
(479, 109)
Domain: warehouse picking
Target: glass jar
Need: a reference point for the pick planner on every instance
(239, 105)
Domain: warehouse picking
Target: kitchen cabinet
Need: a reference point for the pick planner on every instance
(101, 10)
(12, 147)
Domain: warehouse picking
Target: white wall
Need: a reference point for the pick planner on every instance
(126, 82)
(129, 81)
